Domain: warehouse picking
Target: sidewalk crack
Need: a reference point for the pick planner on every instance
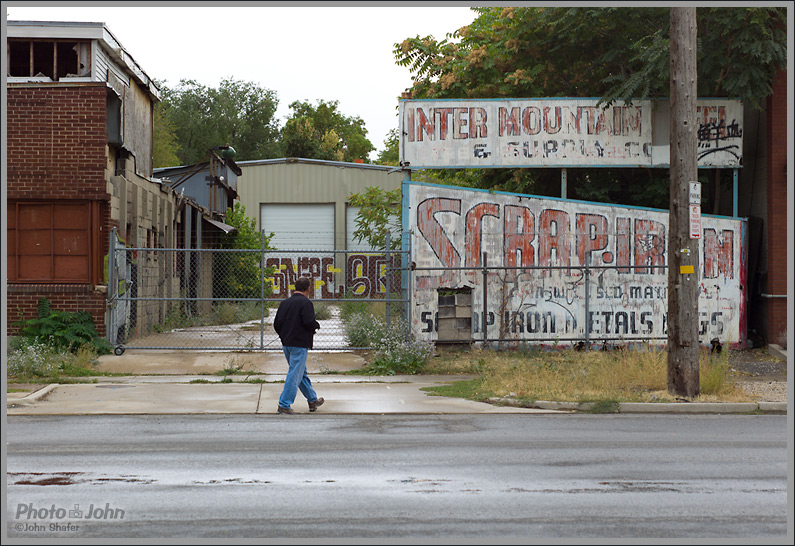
(259, 399)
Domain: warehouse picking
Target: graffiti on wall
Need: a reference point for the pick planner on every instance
(543, 245)
(364, 275)
(557, 132)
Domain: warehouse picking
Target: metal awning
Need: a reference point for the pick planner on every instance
(226, 228)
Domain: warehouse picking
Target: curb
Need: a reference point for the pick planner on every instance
(656, 407)
(32, 397)
(777, 351)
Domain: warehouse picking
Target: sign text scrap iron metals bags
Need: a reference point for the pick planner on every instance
(626, 297)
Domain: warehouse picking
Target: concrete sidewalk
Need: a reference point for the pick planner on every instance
(165, 383)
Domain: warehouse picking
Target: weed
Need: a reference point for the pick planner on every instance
(31, 361)
(200, 381)
(233, 367)
(322, 311)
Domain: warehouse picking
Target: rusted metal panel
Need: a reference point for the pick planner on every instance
(51, 242)
(558, 132)
(627, 287)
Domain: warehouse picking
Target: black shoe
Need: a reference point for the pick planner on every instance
(316, 404)
(288, 411)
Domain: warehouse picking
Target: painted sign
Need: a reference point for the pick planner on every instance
(625, 295)
(558, 132)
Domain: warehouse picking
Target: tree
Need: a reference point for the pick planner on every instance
(322, 132)
(164, 138)
(613, 53)
(239, 274)
(238, 113)
(389, 155)
(380, 214)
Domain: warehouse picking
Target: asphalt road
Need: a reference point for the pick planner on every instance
(444, 478)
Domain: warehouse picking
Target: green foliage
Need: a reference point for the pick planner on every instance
(398, 354)
(612, 53)
(395, 351)
(164, 140)
(34, 361)
(322, 311)
(390, 154)
(225, 312)
(380, 214)
(322, 132)
(239, 113)
(240, 273)
(714, 373)
(62, 330)
(471, 389)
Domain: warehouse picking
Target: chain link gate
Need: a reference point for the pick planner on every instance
(223, 299)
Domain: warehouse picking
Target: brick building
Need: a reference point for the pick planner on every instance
(774, 291)
(79, 144)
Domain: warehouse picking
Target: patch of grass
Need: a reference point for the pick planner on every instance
(226, 380)
(201, 381)
(226, 312)
(604, 378)
(455, 361)
(472, 389)
(31, 361)
(601, 406)
(17, 390)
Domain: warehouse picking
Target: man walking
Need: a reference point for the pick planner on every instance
(296, 325)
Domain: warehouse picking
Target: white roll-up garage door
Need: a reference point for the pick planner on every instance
(299, 226)
(350, 226)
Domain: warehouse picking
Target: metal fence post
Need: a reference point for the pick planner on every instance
(262, 293)
(587, 300)
(485, 301)
(388, 280)
(112, 287)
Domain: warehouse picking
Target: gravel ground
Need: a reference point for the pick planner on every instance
(760, 374)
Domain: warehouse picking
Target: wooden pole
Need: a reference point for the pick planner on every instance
(683, 259)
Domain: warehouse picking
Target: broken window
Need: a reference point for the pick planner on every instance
(54, 59)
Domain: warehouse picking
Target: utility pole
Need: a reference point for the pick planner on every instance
(683, 258)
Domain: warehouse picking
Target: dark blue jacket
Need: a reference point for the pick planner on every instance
(295, 321)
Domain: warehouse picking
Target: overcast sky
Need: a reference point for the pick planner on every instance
(301, 53)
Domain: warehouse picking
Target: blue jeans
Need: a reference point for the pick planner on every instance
(296, 377)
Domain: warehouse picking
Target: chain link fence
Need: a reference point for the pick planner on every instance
(573, 305)
(225, 299)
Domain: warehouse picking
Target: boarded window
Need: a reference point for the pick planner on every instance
(50, 242)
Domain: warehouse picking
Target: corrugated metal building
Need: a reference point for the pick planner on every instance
(304, 202)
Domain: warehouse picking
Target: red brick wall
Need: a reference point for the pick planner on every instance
(56, 140)
(56, 144)
(23, 301)
(777, 230)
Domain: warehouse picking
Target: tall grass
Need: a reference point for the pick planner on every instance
(622, 375)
